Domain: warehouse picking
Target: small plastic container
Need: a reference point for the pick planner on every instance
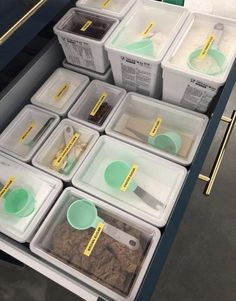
(138, 45)
(65, 149)
(113, 8)
(26, 194)
(104, 77)
(166, 130)
(112, 267)
(195, 88)
(60, 91)
(82, 35)
(27, 131)
(97, 104)
(129, 178)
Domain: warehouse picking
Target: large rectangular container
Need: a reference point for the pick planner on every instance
(163, 129)
(26, 195)
(82, 35)
(190, 78)
(132, 179)
(138, 45)
(27, 131)
(114, 268)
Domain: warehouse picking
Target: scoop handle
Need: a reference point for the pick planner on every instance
(130, 241)
(218, 32)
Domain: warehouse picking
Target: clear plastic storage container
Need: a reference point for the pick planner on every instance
(166, 130)
(113, 8)
(136, 181)
(27, 131)
(110, 254)
(82, 35)
(97, 104)
(60, 91)
(26, 195)
(199, 61)
(138, 45)
(65, 149)
(104, 77)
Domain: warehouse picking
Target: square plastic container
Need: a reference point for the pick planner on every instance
(132, 179)
(113, 268)
(191, 80)
(97, 104)
(26, 194)
(166, 130)
(60, 91)
(138, 45)
(104, 77)
(82, 35)
(27, 131)
(65, 149)
(112, 8)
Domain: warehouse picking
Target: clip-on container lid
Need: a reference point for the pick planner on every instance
(26, 194)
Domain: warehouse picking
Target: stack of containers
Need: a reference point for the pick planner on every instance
(163, 129)
(199, 61)
(97, 105)
(82, 35)
(26, 133)
(60, 91)
(138, 45)
(102, 246)
(26, 194)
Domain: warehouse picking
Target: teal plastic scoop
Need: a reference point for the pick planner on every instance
(115, 175)
(82, 214)
(214, 61)
(143, 47)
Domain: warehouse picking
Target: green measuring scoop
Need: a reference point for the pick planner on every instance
(82, 214)
(115, 175)
(18, 202)
(214, 61)
(143, 47)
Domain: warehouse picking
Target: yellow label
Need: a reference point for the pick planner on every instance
(206, 47)
(62, 91)
(98, 104)
(106, 4)
(155, 127)
(86, 25)
(66, 150)
(129, 178)
(27, 132)
(94, 239)
(149, 28)
(7, 186)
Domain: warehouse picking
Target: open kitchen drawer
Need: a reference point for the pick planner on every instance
(15, 96)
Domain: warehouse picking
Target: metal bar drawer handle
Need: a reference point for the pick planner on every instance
(18, 24)
(211, 179)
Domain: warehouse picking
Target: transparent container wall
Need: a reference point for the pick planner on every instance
(37, 185)
(21, 137)
(60, 88)
(115, 6)
(137, 118)
(111, 263)
(157, 177)
(197, 35)
(54, 147)
(84, 107)
(97, 26)
(156, 22)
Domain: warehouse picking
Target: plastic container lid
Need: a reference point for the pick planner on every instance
(60, 91)
(108, 265)
(114, 8)
(97, 104)
(169, 131)
(138, 182)
(26, 194)
(53, 156)
(27, 131)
